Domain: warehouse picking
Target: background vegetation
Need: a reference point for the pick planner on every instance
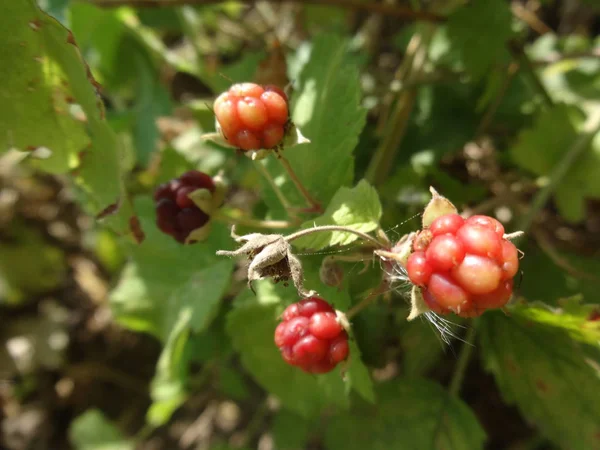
(114, 336)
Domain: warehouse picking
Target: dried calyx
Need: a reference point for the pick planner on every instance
(271, 255)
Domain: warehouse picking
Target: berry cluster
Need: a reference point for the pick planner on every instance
(252, 117)
(176, 214)
(311, 337)
(463, 266)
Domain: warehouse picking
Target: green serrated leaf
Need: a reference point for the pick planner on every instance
(357, 208)
(165, 276)
(570, 315)
(544, 280)
(410, 414)
(92, 431)
(421, 345)
(327, 109)
(251, 326)
(168, 389)
(540, 148)
(478, 31)
(30, 121)
(36, 90)
(548, 377)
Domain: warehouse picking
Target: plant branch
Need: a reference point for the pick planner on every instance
(559, 171)
(386, 9)
(366, 301)
(462, 363)
(326, 228)
(280, 195)
(254, 223)
(314, 204)
(396, 124)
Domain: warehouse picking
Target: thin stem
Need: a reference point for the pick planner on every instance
(366, 301)
(280, 195)
(396, 124)
(462, 363)
(397, 11)
(559, 171)
(324, 228)
(254, 223)
(493, 108)
(314, 204)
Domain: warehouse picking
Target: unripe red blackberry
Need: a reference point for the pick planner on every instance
(463, 266)
(252, 117)
(311, 337)
(177, 214)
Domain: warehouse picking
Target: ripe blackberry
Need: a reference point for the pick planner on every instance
(176, 213)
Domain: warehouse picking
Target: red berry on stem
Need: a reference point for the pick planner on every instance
(463, 266)
(252, 117)
(311, 337)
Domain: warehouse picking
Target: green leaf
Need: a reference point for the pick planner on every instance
(152, 102)
(479, 31)
(36, 87)
(327, 110)
(570, 315)
(410, 414)
(251, 326)
(541, 148)
(357, 208)
(232, 384)
(544, 280)
(421, 345)
(168, 386)
(290, 431)
(165, 276)
(547, 376)
(28, 265)
(92, 431)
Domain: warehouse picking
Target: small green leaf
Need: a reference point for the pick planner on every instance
(327, 110)
(540, 148)
(164, 277)
(92, 431)
(35, 89)
(570, 315)
(410, 414)
(168, 386)
(479, 31)
(251, 326)
(548, 377)
(357, 208)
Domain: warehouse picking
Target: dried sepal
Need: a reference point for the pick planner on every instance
(417, 304)
(438, 206)
(271, 257)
